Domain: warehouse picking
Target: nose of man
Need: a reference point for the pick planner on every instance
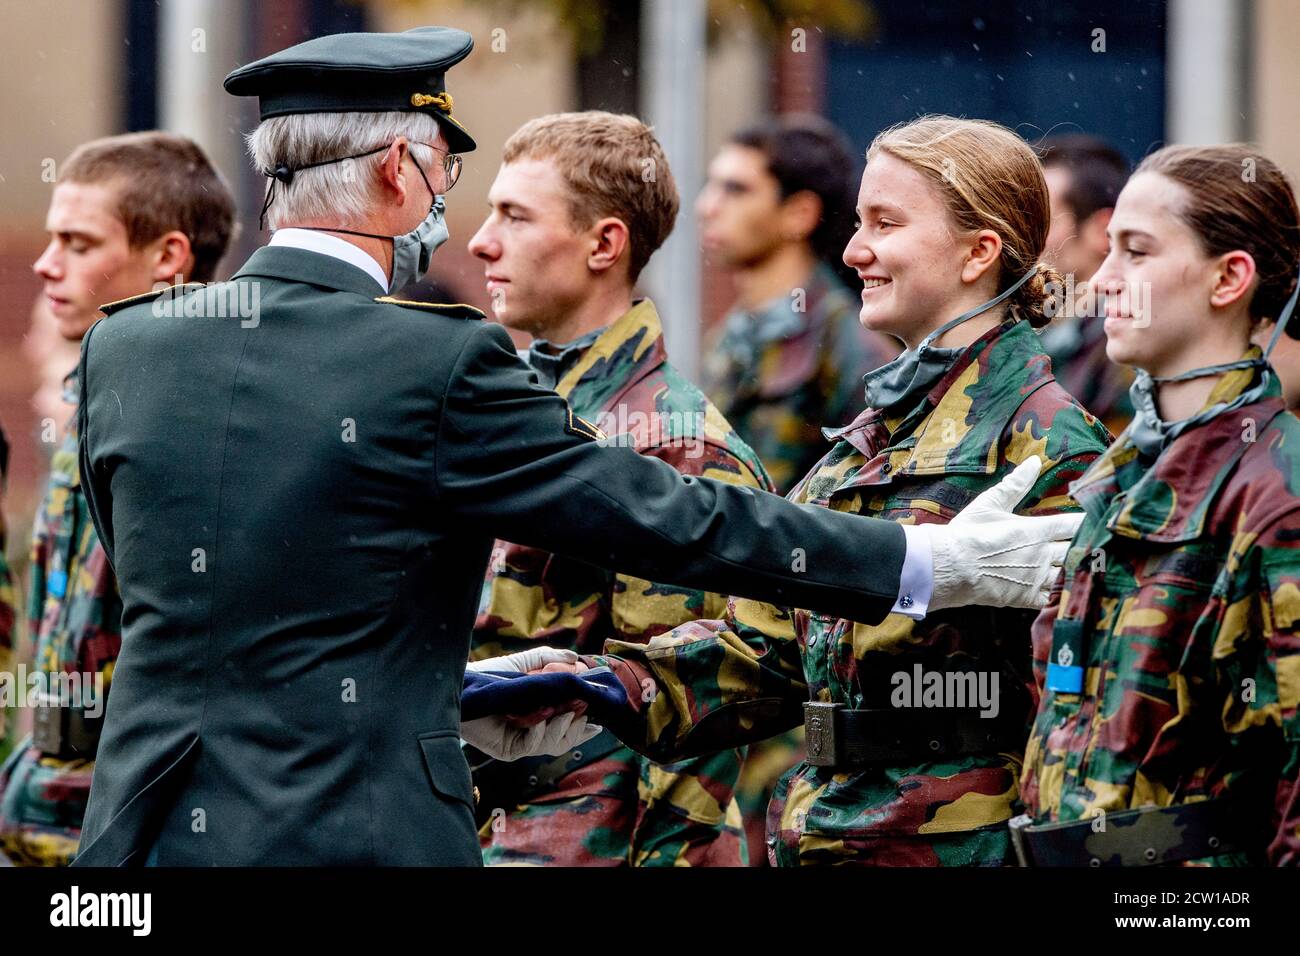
(48, 266)
(482, 245)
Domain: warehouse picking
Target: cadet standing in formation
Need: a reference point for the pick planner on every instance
(259, 717)
(789, 358)
(129, 213)
(562, 247)
(1168, 663)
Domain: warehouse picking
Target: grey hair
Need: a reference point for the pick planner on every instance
(340, 192)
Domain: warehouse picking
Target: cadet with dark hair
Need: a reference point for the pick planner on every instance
(1084, 176)
(1168, 661)
(777, 210)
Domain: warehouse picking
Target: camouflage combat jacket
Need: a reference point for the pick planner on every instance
(605, 805)
(75, 619)
(1181, 595)
(747, 675)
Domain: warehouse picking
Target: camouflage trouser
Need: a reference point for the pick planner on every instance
(821, 817)
(768, 760)
(42, 805)
(617, 810)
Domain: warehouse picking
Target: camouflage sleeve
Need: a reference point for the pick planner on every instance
(1068, 444)
(687, 814)
(642, 609)
(711, 685)
(1280, 567)
(682, 807)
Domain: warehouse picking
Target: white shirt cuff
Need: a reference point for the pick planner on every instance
(916, 582)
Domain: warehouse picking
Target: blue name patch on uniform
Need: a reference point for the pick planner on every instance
(57, 583)
(1064, 680)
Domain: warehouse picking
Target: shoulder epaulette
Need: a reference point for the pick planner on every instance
(130, 300)
(457, 310)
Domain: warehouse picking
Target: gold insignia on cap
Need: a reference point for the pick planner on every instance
(442, 101)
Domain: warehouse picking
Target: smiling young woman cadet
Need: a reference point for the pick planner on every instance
(954, 214)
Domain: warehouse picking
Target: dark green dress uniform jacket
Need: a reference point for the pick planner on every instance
(300, 507)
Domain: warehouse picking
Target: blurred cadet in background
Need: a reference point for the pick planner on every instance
(8, 597)
(1084, 176)
(129, 213)
(777, 209)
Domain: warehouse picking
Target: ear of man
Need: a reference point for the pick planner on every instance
(610, 245)
(170, 255)
(800, 214)
(390, 170)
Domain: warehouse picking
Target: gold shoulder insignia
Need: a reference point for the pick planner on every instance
(577, 425)
(456, 310)
(120, 304)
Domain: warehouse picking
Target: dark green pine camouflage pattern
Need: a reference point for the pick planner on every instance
(620, 808)
(783, 371)
(721, 683)
(1184, 585)
(75, 619)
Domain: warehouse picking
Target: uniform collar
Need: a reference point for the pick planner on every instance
(621, 355)
(328, 245)
(1171, 500)
(552, 361)
(315, 268)
(963, 416)
(779, 318)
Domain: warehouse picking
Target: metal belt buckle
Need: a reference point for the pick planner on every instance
(47, 725)
(819, 726)
(1018, 842)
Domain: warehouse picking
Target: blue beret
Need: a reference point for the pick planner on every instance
(361, 73)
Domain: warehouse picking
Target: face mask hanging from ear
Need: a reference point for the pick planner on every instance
(412, 251)
(918, 370)
(1151, 435)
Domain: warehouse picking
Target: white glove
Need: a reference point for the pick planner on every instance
(552, 737)
(525, 661)
(989, 556)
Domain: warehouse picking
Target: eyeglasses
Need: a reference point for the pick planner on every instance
(451, 163)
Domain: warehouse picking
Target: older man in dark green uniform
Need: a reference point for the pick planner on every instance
(299, 478)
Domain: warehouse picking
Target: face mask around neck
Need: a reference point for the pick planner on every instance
(916, 371)
(1151, 434)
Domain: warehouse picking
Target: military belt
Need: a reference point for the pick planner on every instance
(1146, 836)
(65, 731)
(838, 736)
